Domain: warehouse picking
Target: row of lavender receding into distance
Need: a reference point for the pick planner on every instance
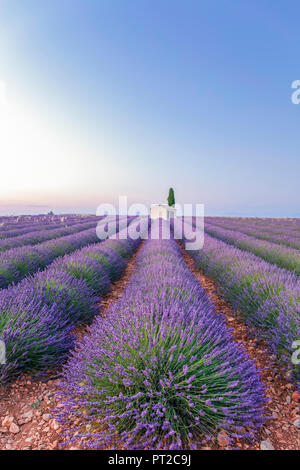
(277, 225)
(264, 231)
(283, 256)
(160, 370)
(65, 222)
(265, 295)
(47, 222)
(39, 236)
(38, 315)
(17, 263)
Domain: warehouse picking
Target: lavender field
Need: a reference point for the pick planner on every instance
(146, 358)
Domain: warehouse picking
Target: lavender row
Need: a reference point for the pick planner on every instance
(17, 232)
(18, 263)
(267, 224)
(37, 316)
(34, 228)
(39, 236)
(268, 297)
(283, 256)
(160, 370)
(282, 236)
(14, 227)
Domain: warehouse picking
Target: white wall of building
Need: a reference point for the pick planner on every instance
(162, 211)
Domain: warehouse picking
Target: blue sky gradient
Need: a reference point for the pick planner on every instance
(142, 95)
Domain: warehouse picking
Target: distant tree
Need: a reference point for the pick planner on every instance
(50, 213)
(171, 197)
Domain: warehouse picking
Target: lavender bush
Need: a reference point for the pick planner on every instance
(111, 261)
(84, 268)
(36, 335)
(75, 300)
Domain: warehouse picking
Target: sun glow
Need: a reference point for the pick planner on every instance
(28, 150)
(39, 161)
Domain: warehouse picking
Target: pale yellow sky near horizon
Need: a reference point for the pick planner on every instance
(41, 164)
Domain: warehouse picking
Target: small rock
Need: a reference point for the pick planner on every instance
(223, 440)
(297, 423)
(268, 432)
(266, 445)
(295, 396)
(288, 400)
(14, 428)
(46, 417)
(25, 418)
(54, 425)
(54, 444)
(6, 422)
(28, 415)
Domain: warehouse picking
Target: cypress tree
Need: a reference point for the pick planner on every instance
(171, 197)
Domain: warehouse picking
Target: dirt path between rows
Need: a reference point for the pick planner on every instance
(27, 404)
(283, 407)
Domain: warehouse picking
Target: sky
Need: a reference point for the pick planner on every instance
(106, 98)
